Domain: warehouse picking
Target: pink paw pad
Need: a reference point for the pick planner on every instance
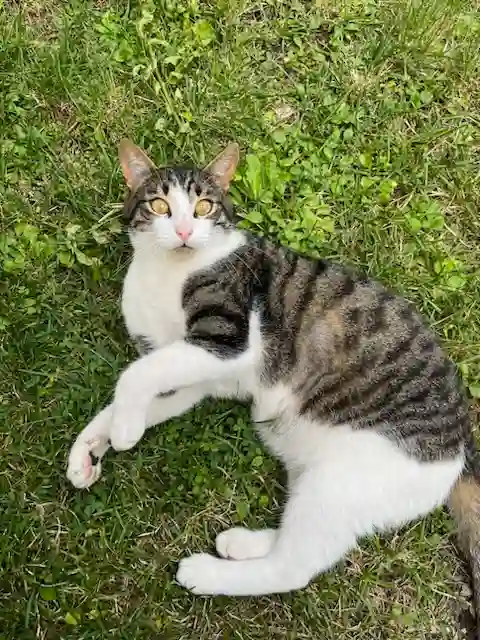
(87, 465)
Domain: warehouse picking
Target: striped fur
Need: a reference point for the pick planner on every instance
(351, 350)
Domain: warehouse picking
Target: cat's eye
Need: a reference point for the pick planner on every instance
(203, 207)
(159, 207)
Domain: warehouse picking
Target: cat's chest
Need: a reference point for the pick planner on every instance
(152, 303)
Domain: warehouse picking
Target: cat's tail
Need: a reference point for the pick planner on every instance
(464, 504)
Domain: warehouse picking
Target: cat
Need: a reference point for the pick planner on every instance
(348, 386)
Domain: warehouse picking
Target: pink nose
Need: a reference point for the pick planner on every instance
(184, 234)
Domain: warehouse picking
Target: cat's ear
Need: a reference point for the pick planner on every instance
(223, 167)
(136, 165)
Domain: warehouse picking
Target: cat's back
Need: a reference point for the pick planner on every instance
(353, 352)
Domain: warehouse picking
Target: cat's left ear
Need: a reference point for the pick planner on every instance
(136, 165)
(222, 168)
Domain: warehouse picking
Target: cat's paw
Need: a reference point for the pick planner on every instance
(201, 574)
(82, 471)
(84, 467)
(239, 543)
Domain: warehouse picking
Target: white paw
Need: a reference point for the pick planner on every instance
(81, 471)
(202, 574)
(239, 543)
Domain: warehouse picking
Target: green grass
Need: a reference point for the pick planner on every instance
(360, 126)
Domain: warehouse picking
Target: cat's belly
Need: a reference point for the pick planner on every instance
(294, 440)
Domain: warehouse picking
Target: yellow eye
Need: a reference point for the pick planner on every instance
(203, 207)
(159, 207)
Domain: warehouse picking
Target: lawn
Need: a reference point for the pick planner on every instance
(359, 123)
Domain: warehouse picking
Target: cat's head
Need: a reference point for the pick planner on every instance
(178, 207)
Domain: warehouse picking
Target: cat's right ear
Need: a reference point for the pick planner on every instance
(136, 165)
(222, 168)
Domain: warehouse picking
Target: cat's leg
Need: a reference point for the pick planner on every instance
(94, 440)
(161, 408)
(176, 366)
(307, 543)
(348, 495)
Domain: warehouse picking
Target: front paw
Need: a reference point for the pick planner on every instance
(81, 471)
(201, 574)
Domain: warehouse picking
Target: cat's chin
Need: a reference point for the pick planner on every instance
(183, 252)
